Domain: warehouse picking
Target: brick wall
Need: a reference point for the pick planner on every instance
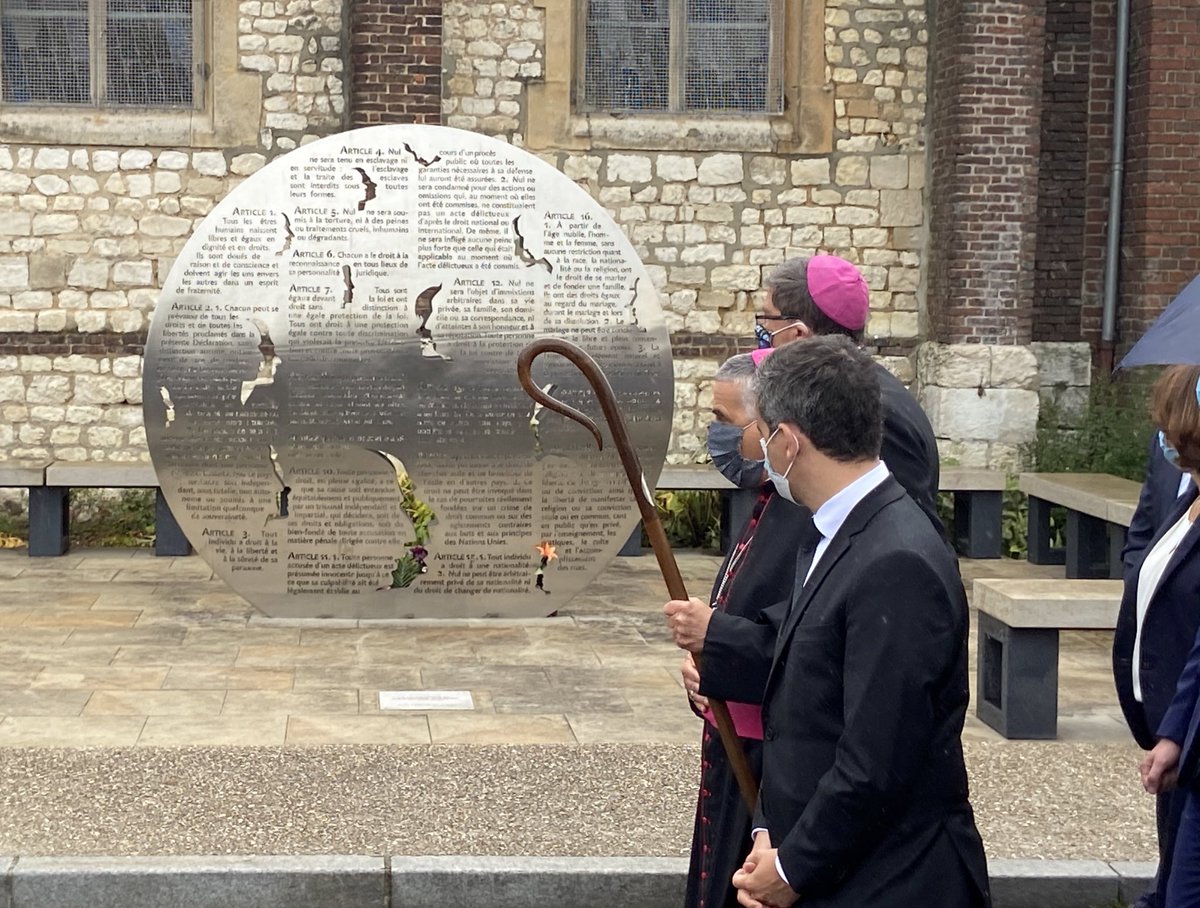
(985, 146)
(1161, 239)
(1062, 172)
(396, 49)
(1099, 164)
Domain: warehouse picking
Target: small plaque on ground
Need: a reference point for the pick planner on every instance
(426, 699)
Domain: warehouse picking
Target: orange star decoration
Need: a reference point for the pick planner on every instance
(547, 551)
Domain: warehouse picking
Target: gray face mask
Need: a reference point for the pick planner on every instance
(778, 479)
(725, 449)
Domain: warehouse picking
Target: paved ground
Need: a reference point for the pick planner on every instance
(216, 727)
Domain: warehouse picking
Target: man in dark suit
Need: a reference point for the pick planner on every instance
(864, 792)
(1168, 625)
(821, 296)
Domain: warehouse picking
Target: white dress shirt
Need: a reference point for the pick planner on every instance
(830, 516)
(1149, 577)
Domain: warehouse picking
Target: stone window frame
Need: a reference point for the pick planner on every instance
(228, 112)
(677, 63)
(805, 126)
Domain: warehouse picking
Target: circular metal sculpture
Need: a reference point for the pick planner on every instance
(331, 396)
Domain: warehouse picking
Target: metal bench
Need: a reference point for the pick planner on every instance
(50, 485)
(1099, 509)
(1017, 646)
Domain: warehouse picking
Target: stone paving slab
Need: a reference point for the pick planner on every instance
(583, 716)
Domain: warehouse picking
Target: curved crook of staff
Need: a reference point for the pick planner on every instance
(645, 501)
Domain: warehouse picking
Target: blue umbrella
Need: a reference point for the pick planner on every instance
(1174, 338)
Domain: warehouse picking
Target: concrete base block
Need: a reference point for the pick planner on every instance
(321, 881)
(6, 866)
(1053, 884)
(199, 882)
(1136, 877)
(434, 882)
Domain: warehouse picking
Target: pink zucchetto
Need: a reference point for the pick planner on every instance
(838, 289)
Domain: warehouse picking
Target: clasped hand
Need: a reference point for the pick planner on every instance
(758, 882)
(1160, 767)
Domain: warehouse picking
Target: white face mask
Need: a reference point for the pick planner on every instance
(779, 480)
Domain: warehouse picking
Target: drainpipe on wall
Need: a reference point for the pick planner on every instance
(1112, 255)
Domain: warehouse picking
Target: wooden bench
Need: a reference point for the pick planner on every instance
(978, 503)
(1099, 509)
(1017, 647)
(50, 485)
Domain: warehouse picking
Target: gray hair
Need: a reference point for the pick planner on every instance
(740, 369)
(737, 368)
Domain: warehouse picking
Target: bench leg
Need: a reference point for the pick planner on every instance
(978, 518)
(49, 519)
(633, 545)
(1017, 682)
(1116, 543)
(1040, 549)
(168, 537)
(736, 507)
(1087, 547)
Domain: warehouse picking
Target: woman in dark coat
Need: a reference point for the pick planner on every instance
(1159, 609)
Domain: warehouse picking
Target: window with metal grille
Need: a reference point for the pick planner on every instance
(677, 56)
(110, 53)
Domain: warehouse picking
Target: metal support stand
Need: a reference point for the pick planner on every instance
(1040, 549)
(736, 507)
(49, 520)
(633, 545)
(168, 537)
(1087, 547)
(978, 520)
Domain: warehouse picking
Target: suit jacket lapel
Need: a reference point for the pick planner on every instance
(804, 594)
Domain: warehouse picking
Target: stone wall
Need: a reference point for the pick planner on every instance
(712, 214)
(88, 235)
(491, 50)
(1064, 379)
(982, 400)
(712, 204)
